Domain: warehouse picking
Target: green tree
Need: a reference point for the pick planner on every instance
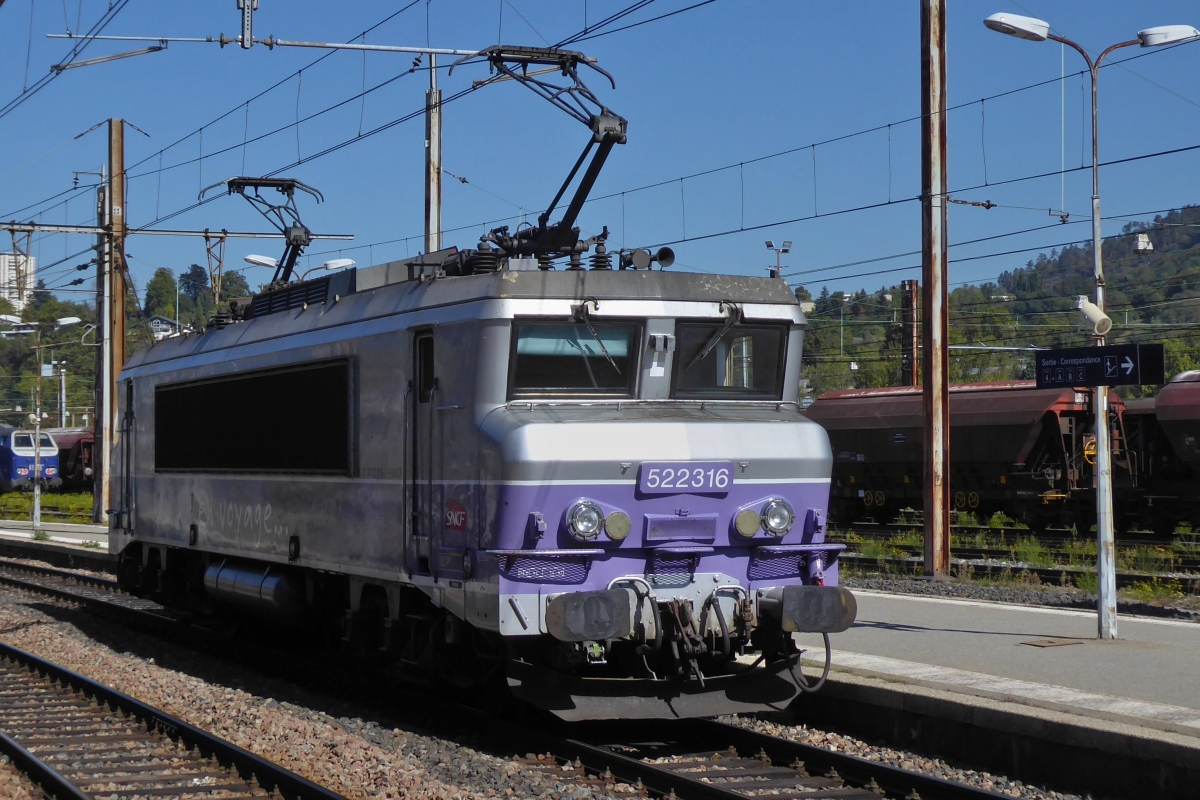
(233, 285)
(160, 294)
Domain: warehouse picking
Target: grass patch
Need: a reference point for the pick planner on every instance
(91, 544)
(41, 536)
(56, 506)
(1031, 551)
(1145, 559)
(907, 539)
(873, 548)
(1154, 590)
(1088, 582)
(999, 520)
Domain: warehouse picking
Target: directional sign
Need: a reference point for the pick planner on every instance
(1111, 365)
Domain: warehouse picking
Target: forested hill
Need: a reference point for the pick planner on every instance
(854, 340)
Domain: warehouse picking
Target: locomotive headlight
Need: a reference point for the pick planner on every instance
(585, 520)
(778, 516)
(748, 522)
(617, 525)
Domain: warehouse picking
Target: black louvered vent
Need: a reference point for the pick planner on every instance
(310, 292)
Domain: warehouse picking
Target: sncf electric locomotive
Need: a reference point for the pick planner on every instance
(595, 482)
(598, 481)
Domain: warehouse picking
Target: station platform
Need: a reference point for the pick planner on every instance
(1030, 685)
(64, 533)
(1046, 657)
(60, 544)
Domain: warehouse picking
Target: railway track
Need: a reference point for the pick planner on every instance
(1058, 575)
(1053, 535)
(695, 759)
(101, 594)
(80, 739)
(710, 760)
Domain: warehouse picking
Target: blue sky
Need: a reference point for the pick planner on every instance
(717, 86)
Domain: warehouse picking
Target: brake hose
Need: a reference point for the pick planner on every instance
(801, 681)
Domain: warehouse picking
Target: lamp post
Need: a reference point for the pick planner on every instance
(777, 270)
(337, 263)
(1037, 30)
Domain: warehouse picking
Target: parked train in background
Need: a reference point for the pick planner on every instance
(75, 457)
(1020, 450)
(17, 460)
(1164, 438)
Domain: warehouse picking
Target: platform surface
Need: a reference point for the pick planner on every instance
(61, 533)
(1149, 674)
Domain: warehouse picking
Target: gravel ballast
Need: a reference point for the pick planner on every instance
(836, 742)
(356, 757)
(15, 785)
(358, 752)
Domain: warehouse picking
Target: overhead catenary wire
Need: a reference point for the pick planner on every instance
(76, 50)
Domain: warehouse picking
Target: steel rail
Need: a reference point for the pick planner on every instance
(51, 782)
(1050, 575)
(892, 780)
(270, 776)
(54, 572)
(139, 615)
(846, 776)
(568, 745)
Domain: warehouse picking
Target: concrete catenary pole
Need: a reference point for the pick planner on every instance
(910, 344)
(433, 161)
(934, 276)
(112, 318)
(103, 357)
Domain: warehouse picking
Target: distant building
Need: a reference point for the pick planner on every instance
(17, 279)
(162, 327)
(808, 306)
(1002, 298)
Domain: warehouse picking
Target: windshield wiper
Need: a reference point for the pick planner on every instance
(582, 313)
(716, 337)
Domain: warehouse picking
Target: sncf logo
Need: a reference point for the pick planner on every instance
(456, 517)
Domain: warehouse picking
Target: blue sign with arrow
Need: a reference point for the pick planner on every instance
(1110, 365)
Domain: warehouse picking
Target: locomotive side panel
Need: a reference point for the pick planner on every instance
(346, 515)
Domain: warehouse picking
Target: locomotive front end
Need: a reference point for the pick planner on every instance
(659, 532)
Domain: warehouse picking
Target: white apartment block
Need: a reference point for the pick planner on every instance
(17, 279)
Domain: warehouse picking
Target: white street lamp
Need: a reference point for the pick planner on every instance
(337, 263)
(1037, 30)
(777, 270)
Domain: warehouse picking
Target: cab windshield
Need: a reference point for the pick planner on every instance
(715, 359)
(574, 359)
(24, 441)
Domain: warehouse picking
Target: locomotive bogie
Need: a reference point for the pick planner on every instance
(544, 470)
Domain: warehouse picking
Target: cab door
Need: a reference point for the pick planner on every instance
(423, 505)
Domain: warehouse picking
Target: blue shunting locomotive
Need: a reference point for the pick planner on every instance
(17, 460)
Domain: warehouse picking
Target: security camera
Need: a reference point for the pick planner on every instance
(1093, 317)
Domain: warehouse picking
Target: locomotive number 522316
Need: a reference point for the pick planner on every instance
(685, 476)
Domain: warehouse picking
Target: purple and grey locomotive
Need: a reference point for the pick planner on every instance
(598, 481)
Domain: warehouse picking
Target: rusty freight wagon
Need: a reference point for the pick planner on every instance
(1014, 448)
(1164, 443)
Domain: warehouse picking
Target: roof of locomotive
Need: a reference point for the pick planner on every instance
(989, 403)
(342, 299)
